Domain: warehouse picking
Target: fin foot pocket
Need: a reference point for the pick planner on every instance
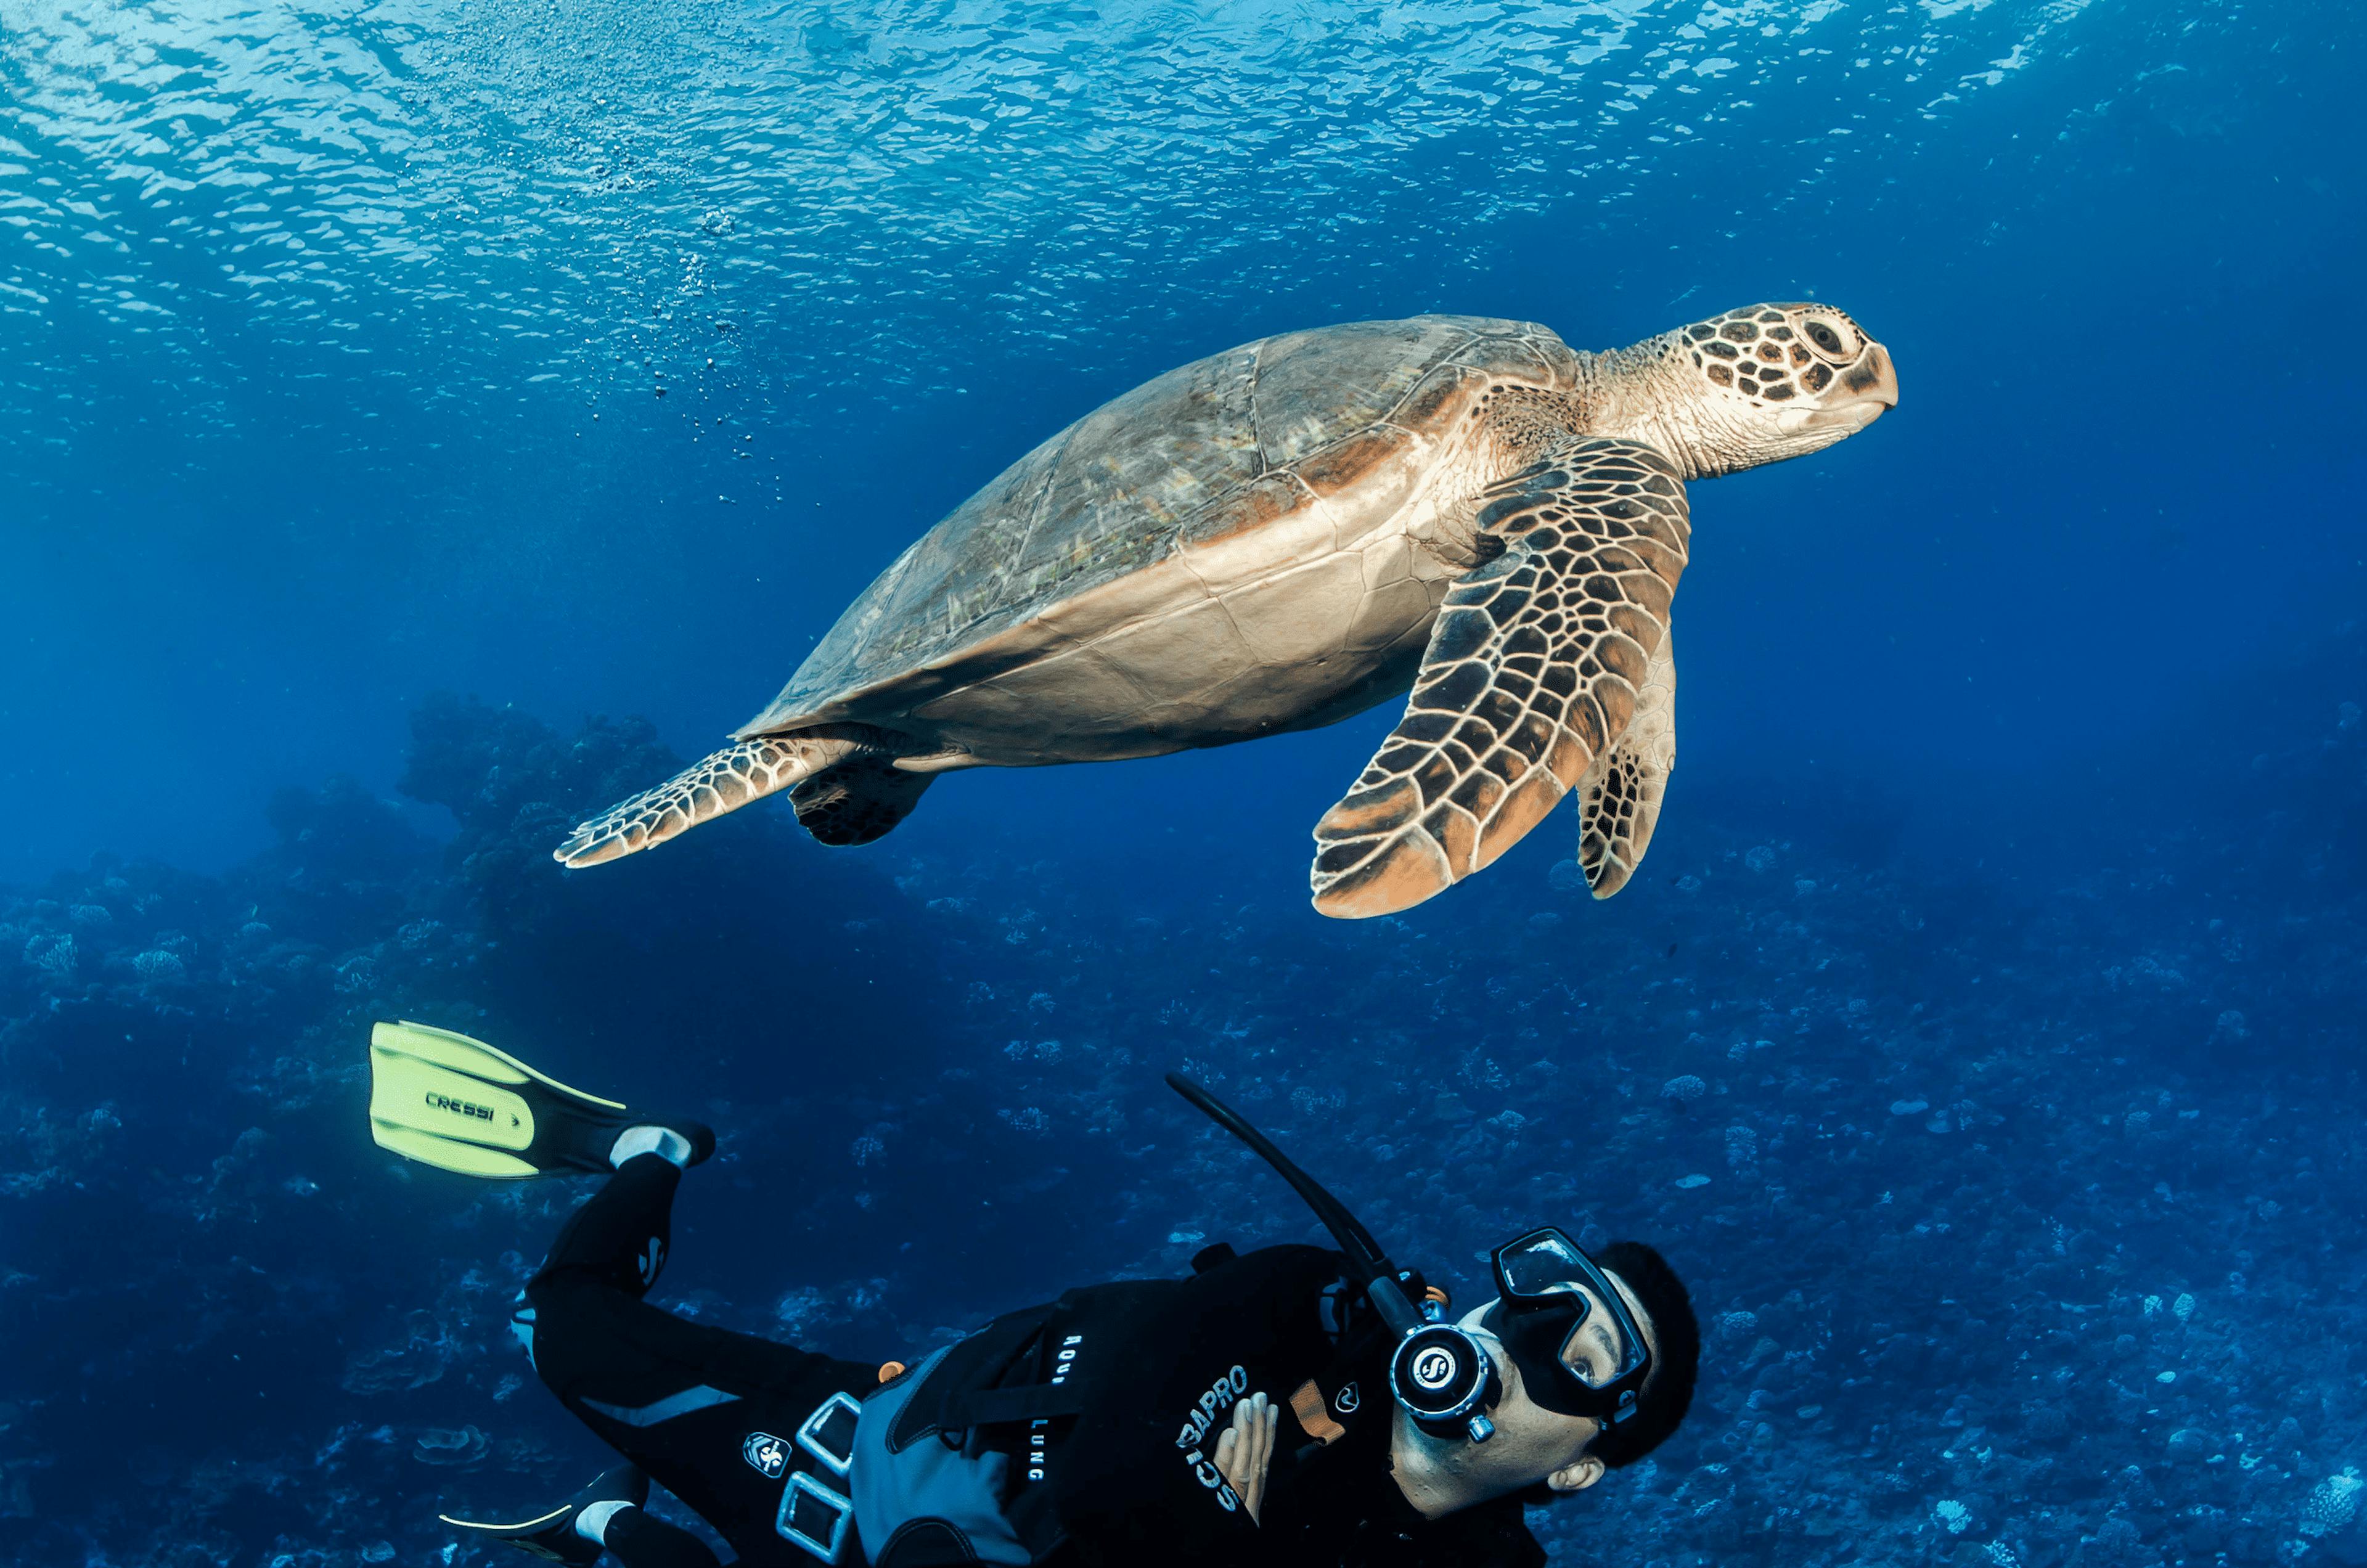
(551, 1535)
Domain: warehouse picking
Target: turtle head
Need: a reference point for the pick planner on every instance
(1753, 386)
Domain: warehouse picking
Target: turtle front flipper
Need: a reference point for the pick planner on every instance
(1619, 799)
(745, 771)
(1536, 667)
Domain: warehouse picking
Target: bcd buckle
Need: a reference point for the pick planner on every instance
(829, 1433)
(814, 1516)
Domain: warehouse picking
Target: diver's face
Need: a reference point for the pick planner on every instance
(1532, 1443)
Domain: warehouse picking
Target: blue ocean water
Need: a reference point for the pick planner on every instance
(421, 424)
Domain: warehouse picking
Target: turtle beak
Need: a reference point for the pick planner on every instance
(1862, 394)
(1859, 396)
(1874, 381)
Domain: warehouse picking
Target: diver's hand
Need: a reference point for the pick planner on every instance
(1245, 1448)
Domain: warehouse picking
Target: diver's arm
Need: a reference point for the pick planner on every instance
(1140, 1484)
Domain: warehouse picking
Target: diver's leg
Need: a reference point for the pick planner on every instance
(708, 1414)
(617, 1241)
(619, 1237)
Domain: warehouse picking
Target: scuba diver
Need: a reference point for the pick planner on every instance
(1293, 1404)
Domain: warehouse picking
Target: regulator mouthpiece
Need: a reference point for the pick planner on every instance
(1443, 1377)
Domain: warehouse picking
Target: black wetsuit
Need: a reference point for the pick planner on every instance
(1126, 1482)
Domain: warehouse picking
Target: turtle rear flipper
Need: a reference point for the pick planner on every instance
(726, 780)
(1535, 669)
(857, 801)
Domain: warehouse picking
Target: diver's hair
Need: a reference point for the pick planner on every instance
(1669, 1391)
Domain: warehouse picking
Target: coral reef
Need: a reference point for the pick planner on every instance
(2021, 1208)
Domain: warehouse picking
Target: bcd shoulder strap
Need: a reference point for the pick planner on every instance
(978, 1361)
(1054, 1373)
(1014, 1370)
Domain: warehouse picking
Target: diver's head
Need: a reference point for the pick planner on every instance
(1544, 1451)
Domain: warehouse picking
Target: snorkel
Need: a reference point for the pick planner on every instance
(1439, 1373)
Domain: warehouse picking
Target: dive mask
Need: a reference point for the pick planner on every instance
(1567, 1328)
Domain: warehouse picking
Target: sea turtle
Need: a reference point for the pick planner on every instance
(1278, 536)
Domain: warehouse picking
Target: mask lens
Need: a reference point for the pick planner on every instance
(1581, 1352)
(1541, 1265)
(1549, 1288)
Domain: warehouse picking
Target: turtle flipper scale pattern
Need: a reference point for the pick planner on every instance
(1619, 799)
(1535, 670)
(724, 781)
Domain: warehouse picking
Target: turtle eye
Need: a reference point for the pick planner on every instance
(1833, 338)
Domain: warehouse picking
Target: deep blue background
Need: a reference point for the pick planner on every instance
(305, 343)
(332, 347)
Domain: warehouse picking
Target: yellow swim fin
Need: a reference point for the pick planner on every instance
(445, 1100)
